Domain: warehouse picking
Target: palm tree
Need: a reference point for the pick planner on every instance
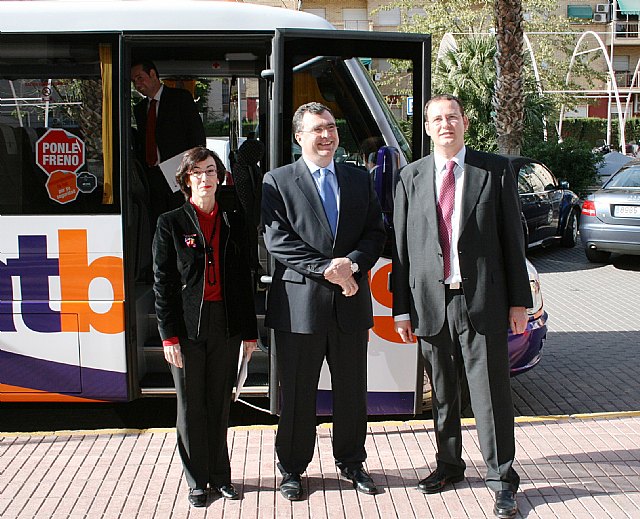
(468, 71)
(508, 100)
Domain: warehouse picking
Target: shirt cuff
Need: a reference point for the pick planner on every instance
(402, 317)
(171, 341)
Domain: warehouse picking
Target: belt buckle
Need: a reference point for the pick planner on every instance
(455, 286)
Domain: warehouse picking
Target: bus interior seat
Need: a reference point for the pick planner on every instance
(140, 226)
(247, 179)
(32, 137)
(385, 176)
(10, 169)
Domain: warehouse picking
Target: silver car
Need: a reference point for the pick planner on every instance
(610, 218)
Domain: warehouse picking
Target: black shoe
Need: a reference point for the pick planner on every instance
(228, 491)
(362, 481)
(437, 481)
(291, 487)
(197, 497)
(506, 504)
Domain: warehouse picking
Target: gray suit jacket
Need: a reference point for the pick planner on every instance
(490, 246)
(298, 236)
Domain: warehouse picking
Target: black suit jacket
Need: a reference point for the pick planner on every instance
(298, 236)
(179, 262)
(178, 126)
(490, 246)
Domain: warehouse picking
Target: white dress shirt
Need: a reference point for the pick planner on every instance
(440, 167)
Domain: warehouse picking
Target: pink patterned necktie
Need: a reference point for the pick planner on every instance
(445, 210)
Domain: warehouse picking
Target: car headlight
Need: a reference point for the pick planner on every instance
(536, 295)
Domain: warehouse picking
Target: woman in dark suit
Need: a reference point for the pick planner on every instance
(204, 305)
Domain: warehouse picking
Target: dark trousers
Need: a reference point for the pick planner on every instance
(299, 361)
(203, 390)
(458, 350)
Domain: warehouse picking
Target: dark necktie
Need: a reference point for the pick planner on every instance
(328, 199)
(445, 210)
(151, 149)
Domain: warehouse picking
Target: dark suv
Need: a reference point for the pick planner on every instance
(550, 210)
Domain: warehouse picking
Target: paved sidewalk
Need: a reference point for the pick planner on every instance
(579, 466)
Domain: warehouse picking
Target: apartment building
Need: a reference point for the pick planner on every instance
(613, 26)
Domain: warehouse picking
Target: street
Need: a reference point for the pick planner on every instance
(590, 362)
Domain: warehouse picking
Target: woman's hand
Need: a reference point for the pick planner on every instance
(249, 348)
(173, 354)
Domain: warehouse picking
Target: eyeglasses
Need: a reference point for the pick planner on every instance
(209, 172)
(319, 130)
(449, 119)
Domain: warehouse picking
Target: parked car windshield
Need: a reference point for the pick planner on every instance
(629, 177)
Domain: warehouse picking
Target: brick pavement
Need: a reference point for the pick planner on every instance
(571, 465)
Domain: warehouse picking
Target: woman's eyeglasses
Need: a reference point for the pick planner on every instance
(209, 172)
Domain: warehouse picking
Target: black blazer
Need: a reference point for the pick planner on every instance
(179, 266)
(298, 236)
(178, 126)
(490, 246)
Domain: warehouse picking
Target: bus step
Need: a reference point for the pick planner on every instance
(157, 381)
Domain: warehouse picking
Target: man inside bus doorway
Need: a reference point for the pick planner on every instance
(459, 282)
(323, 225)
(168, 124)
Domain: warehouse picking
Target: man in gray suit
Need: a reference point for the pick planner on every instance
(323, 225)
(459, 281)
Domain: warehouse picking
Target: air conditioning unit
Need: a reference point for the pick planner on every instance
(602, 8)
(601, 17)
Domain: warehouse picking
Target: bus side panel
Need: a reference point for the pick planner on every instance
(391, 364)
(62, 309)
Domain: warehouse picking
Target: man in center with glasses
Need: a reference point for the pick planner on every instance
(323, 225)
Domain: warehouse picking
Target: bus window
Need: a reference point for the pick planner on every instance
(327, 80)
(55, 98)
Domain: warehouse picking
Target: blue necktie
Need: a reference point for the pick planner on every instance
(328, 197)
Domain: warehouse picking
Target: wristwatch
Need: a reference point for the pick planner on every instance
(354, 267)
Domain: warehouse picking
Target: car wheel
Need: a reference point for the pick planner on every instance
(570, 233)
(597, 256)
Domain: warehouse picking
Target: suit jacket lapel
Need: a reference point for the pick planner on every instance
(425, 188)
(347, 192)
(475, 179)
(306, 184)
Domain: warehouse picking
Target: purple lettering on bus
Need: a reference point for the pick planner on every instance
(6, 300)
(34, 268)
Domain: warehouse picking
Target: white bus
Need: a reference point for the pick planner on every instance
(76, 307)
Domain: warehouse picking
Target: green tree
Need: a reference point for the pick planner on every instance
(468, 72)
(570, 160)
(552, 39)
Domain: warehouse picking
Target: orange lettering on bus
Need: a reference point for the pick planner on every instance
(383, 325)
(76, 274)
